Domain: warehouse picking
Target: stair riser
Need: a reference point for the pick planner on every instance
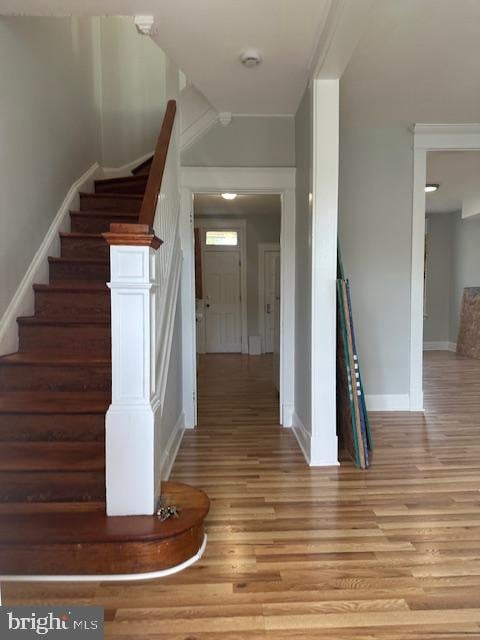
(59, 340)
(52, 487)
(52, 427)
(95, 248)
(91, 202)
(58, 378)
(72, 305)
(78, 271)
(134, 185)
(96, 224)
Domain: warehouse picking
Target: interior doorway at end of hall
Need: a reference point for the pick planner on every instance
(238, 276)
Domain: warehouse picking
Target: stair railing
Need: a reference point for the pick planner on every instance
(145, 264)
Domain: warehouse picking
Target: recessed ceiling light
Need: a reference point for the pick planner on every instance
(430, 188)
(229, 196)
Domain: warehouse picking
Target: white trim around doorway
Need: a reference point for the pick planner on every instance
(263, 247)
(427, 137)
(246, 180)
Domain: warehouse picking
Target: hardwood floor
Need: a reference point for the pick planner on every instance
(392, 553)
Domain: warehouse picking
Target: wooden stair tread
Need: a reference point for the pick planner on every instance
(122, 180)
(77, 286)
(67, 457)
(80, 234)
(143, 168)
(32, 508)
(60, 259)
(53, 360)
(51, 402)
(53, 321)
(84, 527)
(106, 194)
(104, 213)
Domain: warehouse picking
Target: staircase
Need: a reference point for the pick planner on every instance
(54, 396)
(55, 391)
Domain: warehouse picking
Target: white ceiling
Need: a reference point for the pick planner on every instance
(458, 173)
(214, 204)
(206, 37)
(417, 61)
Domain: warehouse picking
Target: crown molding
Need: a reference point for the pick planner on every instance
(446, 136)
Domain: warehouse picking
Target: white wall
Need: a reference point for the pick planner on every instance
(436, 324)
(375, 219)
(75, 91)
(246, 142)
(133, 91)
(260, 228)
(49, 130)
(303, 258)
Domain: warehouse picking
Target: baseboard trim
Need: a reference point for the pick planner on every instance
(114, 172)
(287, 415)
(302, 436)
(440, 346)
(124, 577)
(172, 447)
(304, 440)
(388, 402)
(22, 302)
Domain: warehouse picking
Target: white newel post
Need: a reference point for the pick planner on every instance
(130, 419)
(145, 259)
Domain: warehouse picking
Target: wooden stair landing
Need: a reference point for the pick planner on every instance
(54, 394)
(68, 540)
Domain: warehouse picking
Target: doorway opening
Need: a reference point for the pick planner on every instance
(427, 138)
(451, 320)
(209, 183)
(238, 301)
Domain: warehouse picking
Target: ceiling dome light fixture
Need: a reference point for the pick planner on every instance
(430, 188)
(251, 58)
(229, 196)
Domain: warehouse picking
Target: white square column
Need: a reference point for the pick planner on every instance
(324, 445)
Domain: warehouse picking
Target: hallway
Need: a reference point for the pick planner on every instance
(392, 553)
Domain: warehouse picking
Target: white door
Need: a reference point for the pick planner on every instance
(276, 325)
(222, 301)
(272, 265)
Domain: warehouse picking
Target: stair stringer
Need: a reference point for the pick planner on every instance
(197, 116)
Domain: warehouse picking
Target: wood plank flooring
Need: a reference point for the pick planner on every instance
(392, 553)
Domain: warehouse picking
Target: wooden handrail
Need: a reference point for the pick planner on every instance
(142, 233)
(154, 183)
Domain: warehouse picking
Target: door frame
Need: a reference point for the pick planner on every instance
(427, 137)
(241, 227)
(263, 248)
(248, 180)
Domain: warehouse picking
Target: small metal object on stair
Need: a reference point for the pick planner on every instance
(165, 512)
(170, 511)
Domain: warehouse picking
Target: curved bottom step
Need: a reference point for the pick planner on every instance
(69, 545)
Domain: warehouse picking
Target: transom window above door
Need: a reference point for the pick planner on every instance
(221, 238)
